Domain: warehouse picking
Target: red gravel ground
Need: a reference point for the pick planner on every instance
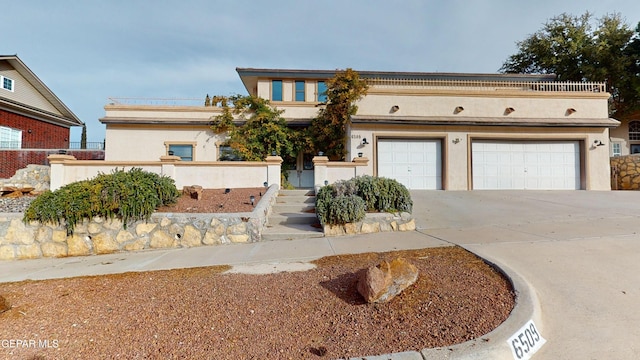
(217, 201)
(202, 313)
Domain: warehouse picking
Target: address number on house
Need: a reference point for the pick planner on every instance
(526, 341)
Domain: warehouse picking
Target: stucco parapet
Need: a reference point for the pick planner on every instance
(60, 158)
(273, 160)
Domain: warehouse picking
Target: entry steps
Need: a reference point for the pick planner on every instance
(293, 216)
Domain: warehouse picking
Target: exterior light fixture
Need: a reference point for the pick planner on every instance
(364, 141)
(266, 184)
(320, 153)
(326, 182)
(571, 111)
(395, 108)
(273, 153)
(598, 143)
(458, 110)
(359, 154)
(509, 110)
(252, 199)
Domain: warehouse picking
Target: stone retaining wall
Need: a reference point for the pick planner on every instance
(35, 176)
(625, 172)
(373, 223)
(103, 236)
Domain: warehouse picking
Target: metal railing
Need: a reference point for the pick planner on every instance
(17, 145)
(156, 101)
(545, 86)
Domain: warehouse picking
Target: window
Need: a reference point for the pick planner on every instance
(616, 149)
(10, 138)
(185, 151)
(634, 130)
(226, 153)
(299, 90)
(276, 90)
(6, 83)
(322, 91)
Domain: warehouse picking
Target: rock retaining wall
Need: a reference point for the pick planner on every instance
(625, 172)
(103, 236)
(35, 176)
(373, 223)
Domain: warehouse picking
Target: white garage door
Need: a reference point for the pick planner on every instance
(417, 164)
(544, 165)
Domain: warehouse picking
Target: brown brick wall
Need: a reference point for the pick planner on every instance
(13, 160)
(43, 135)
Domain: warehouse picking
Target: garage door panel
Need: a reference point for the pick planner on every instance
(526, 165)
(417, 164)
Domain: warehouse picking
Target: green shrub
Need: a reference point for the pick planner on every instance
(127, 195)
(346, 209)
(377, 195)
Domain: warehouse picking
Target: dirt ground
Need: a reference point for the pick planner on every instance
(203, 313)
(217, 201)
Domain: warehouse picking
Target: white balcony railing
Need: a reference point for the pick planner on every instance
(546, 86)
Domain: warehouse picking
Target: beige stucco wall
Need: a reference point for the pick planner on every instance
(526, 105)
(148, 143)
(456, 161)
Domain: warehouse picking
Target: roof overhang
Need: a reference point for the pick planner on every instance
(484, 121)
(68, 118)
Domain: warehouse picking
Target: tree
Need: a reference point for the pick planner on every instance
(263, 132)
(328, 130)
(83, 137)
(569, 47)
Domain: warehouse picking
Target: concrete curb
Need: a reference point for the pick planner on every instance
(489, 346)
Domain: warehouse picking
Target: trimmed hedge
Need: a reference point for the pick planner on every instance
(348, 200)
(128, 195)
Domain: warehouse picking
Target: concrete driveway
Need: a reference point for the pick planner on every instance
(580, 250)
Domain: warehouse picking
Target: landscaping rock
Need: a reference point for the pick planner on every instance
(382, 283)
(4, 304)
(194, 191)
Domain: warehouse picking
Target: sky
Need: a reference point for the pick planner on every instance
(86, 51)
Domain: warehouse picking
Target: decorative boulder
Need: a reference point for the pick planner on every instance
(4, 305)
(379, 284)
(194, 191)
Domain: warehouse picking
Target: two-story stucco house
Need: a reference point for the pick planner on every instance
(427, 130)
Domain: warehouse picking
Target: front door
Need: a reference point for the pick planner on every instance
(301, 173)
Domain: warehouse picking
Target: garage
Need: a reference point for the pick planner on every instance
(524, 165)
(415, 163)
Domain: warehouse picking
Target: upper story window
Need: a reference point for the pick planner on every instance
(299, 95)
(322, 91)
(276, 90)
(6, 83)
(634, 130)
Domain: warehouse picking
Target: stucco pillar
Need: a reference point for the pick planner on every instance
(168, 167)
(361, 166)
(274, 163)
(57, 170)
(319, 171)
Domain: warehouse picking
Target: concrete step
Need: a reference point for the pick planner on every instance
(297, 192)
(293, 207)
(296, 199)
(286, 218)
(291, 232)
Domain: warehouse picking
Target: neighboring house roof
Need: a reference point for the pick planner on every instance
(249, 76)
(59, 114)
